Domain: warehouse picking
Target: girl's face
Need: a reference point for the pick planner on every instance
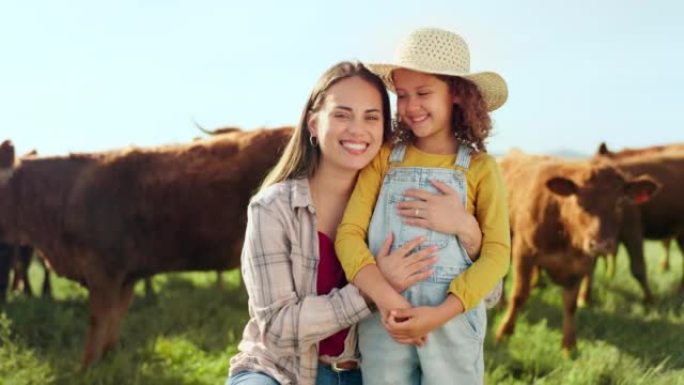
(348, 125)
(425, 104)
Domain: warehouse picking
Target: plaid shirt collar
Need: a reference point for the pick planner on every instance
(301, 195)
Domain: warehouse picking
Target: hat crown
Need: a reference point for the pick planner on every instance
(434, 50)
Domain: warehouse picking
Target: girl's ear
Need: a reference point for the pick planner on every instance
(456, 99)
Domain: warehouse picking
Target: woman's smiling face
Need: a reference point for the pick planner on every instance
(349, 124)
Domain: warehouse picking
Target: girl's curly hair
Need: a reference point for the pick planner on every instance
(470, 120)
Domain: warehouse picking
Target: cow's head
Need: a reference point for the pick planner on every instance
(592, 203)
(604, 151)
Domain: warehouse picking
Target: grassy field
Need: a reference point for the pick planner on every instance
(187, 333)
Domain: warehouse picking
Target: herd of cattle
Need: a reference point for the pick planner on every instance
(107, 220)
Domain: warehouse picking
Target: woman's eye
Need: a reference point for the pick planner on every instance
(341, 116)
(373, 117)
(423, 93)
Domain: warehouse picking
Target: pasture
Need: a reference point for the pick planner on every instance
(186, 334)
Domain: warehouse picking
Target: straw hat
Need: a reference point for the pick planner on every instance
(440, 52)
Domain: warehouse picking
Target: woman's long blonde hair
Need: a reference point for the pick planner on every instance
(300, 159)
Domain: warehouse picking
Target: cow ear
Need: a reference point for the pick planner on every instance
(6, 154)
(603, 149)
(30, 154)
(562, 186)
(641, 189)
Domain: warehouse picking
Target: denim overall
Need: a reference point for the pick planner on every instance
(453, 353)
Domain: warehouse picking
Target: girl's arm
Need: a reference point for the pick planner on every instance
(288, 322)
(491, 211)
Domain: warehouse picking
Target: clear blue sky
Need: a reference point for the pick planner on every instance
(93, 75)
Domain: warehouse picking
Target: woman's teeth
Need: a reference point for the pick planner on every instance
(355, 146)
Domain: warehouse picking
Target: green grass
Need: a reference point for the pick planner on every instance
(187, 333)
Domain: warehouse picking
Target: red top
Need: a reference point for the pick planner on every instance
(330, 276)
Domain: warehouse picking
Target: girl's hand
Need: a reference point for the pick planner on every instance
(442, 212)
(413, 323)
(419, 341)
(410, 323)
(402, 271)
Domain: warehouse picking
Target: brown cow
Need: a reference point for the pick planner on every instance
(604, 152)
(563, 214)
(6, 258)
(17, 259)
(661, 218)
(109, 219)
(21, 281)
(665, 261)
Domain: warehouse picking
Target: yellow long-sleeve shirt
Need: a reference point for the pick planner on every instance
(486, 200)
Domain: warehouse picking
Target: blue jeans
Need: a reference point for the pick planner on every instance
(251, 378)
(454, 352)
(324, 376)
(327, 376)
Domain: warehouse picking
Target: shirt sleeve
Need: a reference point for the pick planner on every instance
(491, 211)
(289, 323)
(350, 242)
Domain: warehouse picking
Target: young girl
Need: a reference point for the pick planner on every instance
(442, 121)
(302, 311)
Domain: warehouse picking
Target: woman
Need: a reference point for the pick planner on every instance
(302, 310)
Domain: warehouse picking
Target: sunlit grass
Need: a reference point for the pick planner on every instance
(189, 330)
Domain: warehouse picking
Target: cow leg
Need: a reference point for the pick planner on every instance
(535, 277)
(610, 264)
(6, 253)
(219, 280)
(149, 289)
(637, 265)
(680, 241)
(26, 255)
(21, 266)
(584, 297)
(102, 302)
(522, 275)
(118, 314)
(47, 283)
(632, 235)
(569, 309)
(665, 262)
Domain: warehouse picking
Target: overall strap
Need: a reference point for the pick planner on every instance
(397, 154)
(463, 156)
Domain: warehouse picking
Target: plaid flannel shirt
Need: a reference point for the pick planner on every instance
(279, 268)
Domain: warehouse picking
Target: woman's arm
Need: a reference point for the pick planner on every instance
(289, 323)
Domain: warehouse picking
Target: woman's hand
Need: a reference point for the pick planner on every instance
(402, 270)
(442, 212)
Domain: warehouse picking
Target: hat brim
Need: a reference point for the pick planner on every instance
(491, 85)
